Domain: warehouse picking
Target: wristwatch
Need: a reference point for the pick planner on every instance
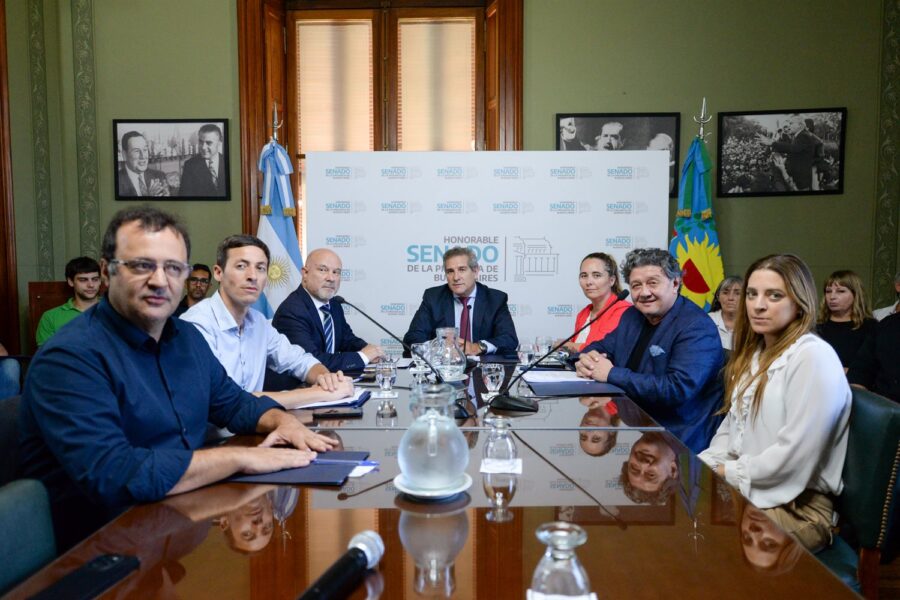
(483, 347)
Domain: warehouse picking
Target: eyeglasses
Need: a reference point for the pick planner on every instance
(143, 266)
(203, 280)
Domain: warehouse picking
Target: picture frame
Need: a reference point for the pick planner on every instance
(171, 159)
(623, 131)
(781, 152)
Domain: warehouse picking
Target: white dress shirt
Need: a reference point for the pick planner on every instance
(884, 311)
(247, 352)
(319, 304)
(457, 315)
(725, 334)
(798, 440)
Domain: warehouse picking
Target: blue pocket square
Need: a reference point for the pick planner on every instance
(656, 351)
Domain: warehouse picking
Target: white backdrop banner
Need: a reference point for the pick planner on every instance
(529, 216)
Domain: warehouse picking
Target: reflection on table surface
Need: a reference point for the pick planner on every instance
(658, 524)
(553, 413)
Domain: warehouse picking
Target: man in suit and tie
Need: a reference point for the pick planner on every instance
(310, 319)
(802, 150)
(480, 313)
(135, 179)
(205, 174)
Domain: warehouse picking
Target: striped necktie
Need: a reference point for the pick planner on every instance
(328, 324)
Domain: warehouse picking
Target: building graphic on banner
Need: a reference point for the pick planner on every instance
(534, 258)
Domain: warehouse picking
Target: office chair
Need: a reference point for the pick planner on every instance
(868, 506)
(26, 531)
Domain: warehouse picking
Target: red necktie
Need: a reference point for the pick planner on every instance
(464, 329)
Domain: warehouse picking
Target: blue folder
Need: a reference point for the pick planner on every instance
(314, 474)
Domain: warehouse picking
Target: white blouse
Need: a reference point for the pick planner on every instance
(725, 334)
(798, 440)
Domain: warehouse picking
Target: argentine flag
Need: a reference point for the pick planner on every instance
(277, 229)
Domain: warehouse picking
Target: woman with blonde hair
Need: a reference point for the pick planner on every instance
(787, 403)
(845, 320)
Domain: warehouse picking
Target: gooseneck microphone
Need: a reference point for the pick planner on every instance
(340, 580)
(505, 401)
(407, 347)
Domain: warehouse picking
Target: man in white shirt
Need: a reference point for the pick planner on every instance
(244, 341)
(881, 313)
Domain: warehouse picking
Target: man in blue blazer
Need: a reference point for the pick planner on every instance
(480, 313)
(302, 318)
(665, 353)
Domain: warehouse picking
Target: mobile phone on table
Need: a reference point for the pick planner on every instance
(338, 412)
(91, 579)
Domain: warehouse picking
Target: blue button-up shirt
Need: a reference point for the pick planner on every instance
(110, 417)
(246, 351)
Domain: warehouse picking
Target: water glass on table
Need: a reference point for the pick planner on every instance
(526, 354)
(492, 374)
(385, 376)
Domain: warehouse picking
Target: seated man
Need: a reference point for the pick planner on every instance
(308, 317)
(244, 341)
(116, 404)
(83, 276)
(479, 313)
(197, 286)
(876, 366)
(890, 309)
(665, 353)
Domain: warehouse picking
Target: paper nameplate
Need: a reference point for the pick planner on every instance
(530, 595)
(494, 465)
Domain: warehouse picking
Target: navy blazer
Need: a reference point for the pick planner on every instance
(298, 319)
(678, 381)
(493, 323)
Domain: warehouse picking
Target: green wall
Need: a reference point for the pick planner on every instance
(106, 59)
(664, 56)
(160, 59)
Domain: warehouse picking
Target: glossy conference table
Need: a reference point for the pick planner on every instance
(261, 541)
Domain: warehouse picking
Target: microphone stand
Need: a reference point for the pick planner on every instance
(407, 347)
(505, 401)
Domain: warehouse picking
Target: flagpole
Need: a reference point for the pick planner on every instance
(702, 120)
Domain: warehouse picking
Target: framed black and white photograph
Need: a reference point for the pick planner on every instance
(622, 131)
(185, 159)
(782, 152)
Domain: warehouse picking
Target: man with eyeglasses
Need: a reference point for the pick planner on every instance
(310, 319)
(116, 405)
(245, 342)
(197, 287)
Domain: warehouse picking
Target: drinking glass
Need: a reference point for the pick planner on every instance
(542, 345)
(500, 444)
(499, 489)
(492, 374)
(418, 361)
(559, 573)
(526, 354)
(385, 376)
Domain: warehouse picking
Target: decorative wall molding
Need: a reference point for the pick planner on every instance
(86, 126)
(887, 198)
(37, 66)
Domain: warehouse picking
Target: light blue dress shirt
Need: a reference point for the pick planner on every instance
(247, 353)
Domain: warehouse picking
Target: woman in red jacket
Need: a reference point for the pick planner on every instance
(599, 280)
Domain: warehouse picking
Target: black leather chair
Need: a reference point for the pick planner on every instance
(9, 438)
(868, 506)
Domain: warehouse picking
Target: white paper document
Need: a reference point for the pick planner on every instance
(552, 376)
(495, 465)
(342, 402)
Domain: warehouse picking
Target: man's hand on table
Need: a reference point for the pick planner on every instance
(332, 382)
(373, 352)
(593, 365)
(288, 431)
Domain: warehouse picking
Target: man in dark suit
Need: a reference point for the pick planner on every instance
(480, 313)
(205, 174)
(666, 352)
(308, 318)
(135, 179)
(800, 150)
